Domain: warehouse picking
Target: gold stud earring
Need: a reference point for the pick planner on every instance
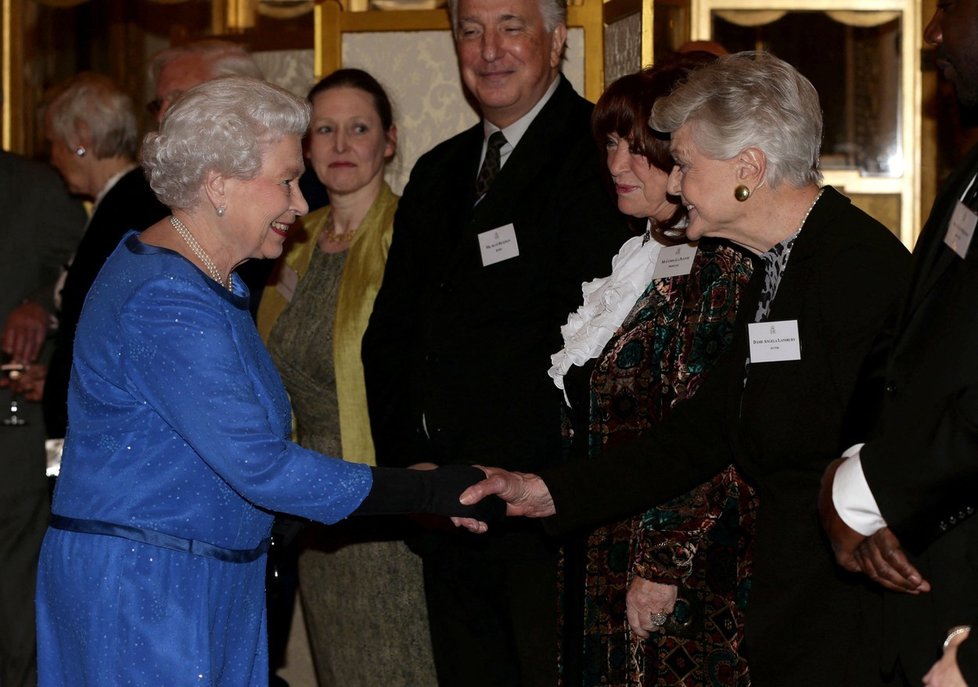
(741, 193)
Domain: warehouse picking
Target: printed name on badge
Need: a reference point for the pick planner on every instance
(674, 261)
(960, 229)
(774, 342)
(498, 244)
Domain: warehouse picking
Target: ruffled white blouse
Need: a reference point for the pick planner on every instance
(607, 302)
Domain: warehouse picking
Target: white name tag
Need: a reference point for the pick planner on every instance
(288, 279)
(961, 229)
(773, 342)
(498, 244)
(674, 261)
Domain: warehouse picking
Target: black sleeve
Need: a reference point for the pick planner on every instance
(386, 347)
(397, 490)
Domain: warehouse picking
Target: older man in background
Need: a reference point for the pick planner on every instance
(497, 228)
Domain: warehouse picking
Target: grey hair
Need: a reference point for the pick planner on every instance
(97, 102)
(223, 57)
(222, 125)
(553, 12)
(750, 99)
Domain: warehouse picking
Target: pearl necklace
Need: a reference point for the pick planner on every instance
(212, 270)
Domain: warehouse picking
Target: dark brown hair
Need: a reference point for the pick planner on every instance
(624, 109)
(361, 80)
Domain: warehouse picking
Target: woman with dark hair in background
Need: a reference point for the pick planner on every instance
(355, 577)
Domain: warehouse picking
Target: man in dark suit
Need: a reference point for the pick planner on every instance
(899, 507)
(43, 226)
(491, 245)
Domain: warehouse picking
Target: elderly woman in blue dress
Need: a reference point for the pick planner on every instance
(178, 449)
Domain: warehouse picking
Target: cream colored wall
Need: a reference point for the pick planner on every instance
(419, 70)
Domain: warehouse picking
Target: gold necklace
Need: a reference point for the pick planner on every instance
(332, 236)
(212, 270)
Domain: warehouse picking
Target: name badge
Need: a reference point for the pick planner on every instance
(774, 342)
(961, 229)
(674, 261)
(498, 244)
(288, 280)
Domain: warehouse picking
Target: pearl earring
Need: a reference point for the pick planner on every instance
(220, 211)
(80, 151)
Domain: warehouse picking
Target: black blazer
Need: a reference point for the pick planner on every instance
(469, 346)
(922, 463)
(42, 226)
(845, 276)
(129, 204)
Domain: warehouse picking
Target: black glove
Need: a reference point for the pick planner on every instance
(398, 490)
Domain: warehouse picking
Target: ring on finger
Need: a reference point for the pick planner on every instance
(659, 618)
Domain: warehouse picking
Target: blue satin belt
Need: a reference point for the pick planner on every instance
(154, 538)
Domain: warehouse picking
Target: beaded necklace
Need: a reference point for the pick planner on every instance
(212, 270)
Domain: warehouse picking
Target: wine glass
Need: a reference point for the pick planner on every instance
(14, 370)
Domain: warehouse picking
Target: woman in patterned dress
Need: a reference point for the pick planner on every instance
(643, 340)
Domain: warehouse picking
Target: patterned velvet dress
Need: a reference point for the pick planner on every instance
(699, 542)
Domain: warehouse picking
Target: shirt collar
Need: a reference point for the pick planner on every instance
(514, 132)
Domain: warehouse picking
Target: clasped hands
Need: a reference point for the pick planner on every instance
(524, 493)
(879, 556)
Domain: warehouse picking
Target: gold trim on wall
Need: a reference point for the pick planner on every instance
(12, 21)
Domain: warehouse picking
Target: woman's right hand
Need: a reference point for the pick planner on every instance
(646, 600)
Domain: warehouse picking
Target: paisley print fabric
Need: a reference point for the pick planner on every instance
(699, 542)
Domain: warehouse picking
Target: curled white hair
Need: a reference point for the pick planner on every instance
(223, 125)
(750, 99)
(95, 103)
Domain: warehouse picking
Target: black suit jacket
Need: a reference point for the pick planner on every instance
(42, 226)
(129, 204)
(845, 277)
(467, 347)
(922, 463)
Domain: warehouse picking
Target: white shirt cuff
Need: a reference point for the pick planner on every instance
(853, 499)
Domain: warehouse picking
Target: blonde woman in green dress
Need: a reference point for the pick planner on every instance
(361, 587)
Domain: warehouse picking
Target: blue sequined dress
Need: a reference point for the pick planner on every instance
(178, 439)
